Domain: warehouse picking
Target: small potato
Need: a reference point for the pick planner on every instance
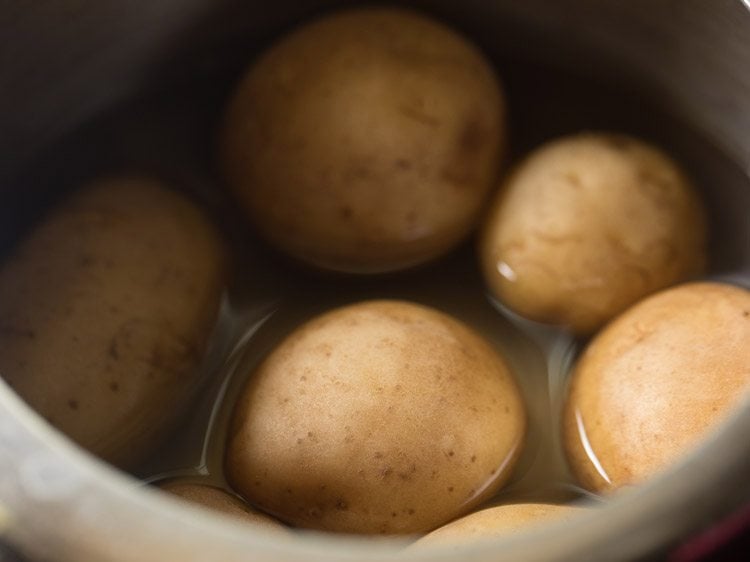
(105, 311)
(496, 521)
(655, 382)
(379, 417)
(365, 141)
(586, 226)
(220, 501)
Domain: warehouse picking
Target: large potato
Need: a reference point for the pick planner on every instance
(366, 140)
(656, 381)
(379, 417)
(497, 521)
(586, 226)
(105, 311)
(220, 501)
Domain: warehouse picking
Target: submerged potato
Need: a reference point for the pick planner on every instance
(379, 417)
(656, 381)
(497, 521)
(586, 226)
(105, 310)
(365, 141)
(220, 501)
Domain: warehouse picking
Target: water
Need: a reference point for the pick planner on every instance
(170, 134)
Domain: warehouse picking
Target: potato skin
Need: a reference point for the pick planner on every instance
(656, 381)
(586, 226)
(221, 501)
(365, 141)
(105, 311)
(379, 417)
(496, 521)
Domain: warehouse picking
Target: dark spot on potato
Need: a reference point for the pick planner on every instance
(473, 136)
(393, 514)
(257, 482)
(288, 490)
(573, 179)
(450, 488)
(314, 513)
(86, 260)
(112, 350)
(341, 504)
(473, 458)
(114, 386)
(346, 212)
(507, 409)
(303, 378)
(618, 142)
(73, 404)
(403, 164)
(746, 313)
(411, 511)
(378, 455)
(358, 172)
(451, 453)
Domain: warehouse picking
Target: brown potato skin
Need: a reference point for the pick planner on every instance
(656, 381)
(105, 311)
(496, 521)
(379, 417)
(589, 224)
(220, 501)
(365, 141)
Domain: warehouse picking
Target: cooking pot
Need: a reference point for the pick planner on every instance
(63, 62)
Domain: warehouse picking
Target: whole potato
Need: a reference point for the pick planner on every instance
(496, 521)
(379, 417)
(365, 141)
(656, 381)
(105, 311)
(586, 226)
(221, 501)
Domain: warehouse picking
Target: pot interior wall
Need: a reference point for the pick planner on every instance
(71, 61)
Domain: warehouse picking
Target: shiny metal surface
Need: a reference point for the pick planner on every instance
(62, 62)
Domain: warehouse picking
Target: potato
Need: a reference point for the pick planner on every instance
(105, 311)
(378, 417)
(496, 521)
(365, 141)
(221, 501)
(586, 226)
(656, 381)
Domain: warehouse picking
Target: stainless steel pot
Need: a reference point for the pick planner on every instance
(62, 62)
